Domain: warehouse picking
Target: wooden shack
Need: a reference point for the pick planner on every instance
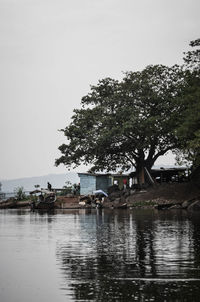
(91, 182)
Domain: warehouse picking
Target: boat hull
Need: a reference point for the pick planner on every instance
(43, 206)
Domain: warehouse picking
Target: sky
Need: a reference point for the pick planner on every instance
(51, 51)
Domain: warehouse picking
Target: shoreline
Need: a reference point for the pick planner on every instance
(71, 203)
(174, 195)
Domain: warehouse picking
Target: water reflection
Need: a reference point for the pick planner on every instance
(131, 256)
(100, 255)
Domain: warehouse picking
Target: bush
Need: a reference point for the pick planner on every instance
(20, 194)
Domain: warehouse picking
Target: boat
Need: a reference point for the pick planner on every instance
(45, 200)
(122, 206)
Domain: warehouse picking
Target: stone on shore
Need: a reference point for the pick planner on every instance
(195, 206)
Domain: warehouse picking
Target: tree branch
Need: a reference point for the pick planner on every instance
(160, 153)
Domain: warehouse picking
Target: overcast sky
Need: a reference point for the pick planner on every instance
(51, 51)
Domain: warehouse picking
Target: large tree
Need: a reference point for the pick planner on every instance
(188, 131)
(125, 124)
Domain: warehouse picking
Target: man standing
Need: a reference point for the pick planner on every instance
(49, 186)
(125, 183)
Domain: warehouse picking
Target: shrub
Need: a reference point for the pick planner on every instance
(20, 194)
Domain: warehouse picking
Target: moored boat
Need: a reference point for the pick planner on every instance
(45, 200)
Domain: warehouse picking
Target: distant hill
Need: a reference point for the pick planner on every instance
(28, 183)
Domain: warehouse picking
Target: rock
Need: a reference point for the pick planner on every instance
(126, 193)
(113, 189)
(122, 206)
(117, 201)
(132, 192)
(176, 206)
(115, 195)
(195, 206)
(164, 206)
(187, 203)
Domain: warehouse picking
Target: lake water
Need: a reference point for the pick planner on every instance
(99, 255)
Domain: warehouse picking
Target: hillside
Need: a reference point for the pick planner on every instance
(28, 183)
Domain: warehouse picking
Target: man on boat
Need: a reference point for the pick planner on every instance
(49, 186)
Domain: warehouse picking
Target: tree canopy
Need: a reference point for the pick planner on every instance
(188, 131)
(124, 124)
(130, 123)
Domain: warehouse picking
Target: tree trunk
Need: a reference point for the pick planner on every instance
(141, 176)
(140, 171)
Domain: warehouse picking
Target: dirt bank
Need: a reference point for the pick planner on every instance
(64, 202)
(175, 192)
(159, 194)
(14, 204)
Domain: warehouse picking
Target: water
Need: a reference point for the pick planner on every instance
(108, 255)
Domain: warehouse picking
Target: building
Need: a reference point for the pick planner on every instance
(162, 175)
(91, 182)
(176, 174)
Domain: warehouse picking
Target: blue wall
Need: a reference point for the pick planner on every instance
(103, 182)
(90, 183)
(87, 184)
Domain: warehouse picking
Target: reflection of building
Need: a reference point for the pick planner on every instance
(91, 182)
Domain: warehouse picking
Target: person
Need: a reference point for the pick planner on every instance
(125, 183)
(74, 189)
(49, 186)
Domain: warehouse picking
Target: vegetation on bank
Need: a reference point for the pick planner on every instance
(20, 194)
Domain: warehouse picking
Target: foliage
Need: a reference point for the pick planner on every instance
(33, 198)
(67, 189)
(125, 124)
(192, 58)
(188, 131)
(70, 189)
(20, 194)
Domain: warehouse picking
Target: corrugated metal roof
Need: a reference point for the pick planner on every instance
(104, 174)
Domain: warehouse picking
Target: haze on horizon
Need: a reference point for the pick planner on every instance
(52, 51)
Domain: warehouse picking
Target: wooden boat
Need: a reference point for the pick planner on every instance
(45, 200)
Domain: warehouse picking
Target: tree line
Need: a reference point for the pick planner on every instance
(130, 123)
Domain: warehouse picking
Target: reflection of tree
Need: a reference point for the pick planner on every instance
(94, 274)
(144, 246)
(196, 242)
(113, 259)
